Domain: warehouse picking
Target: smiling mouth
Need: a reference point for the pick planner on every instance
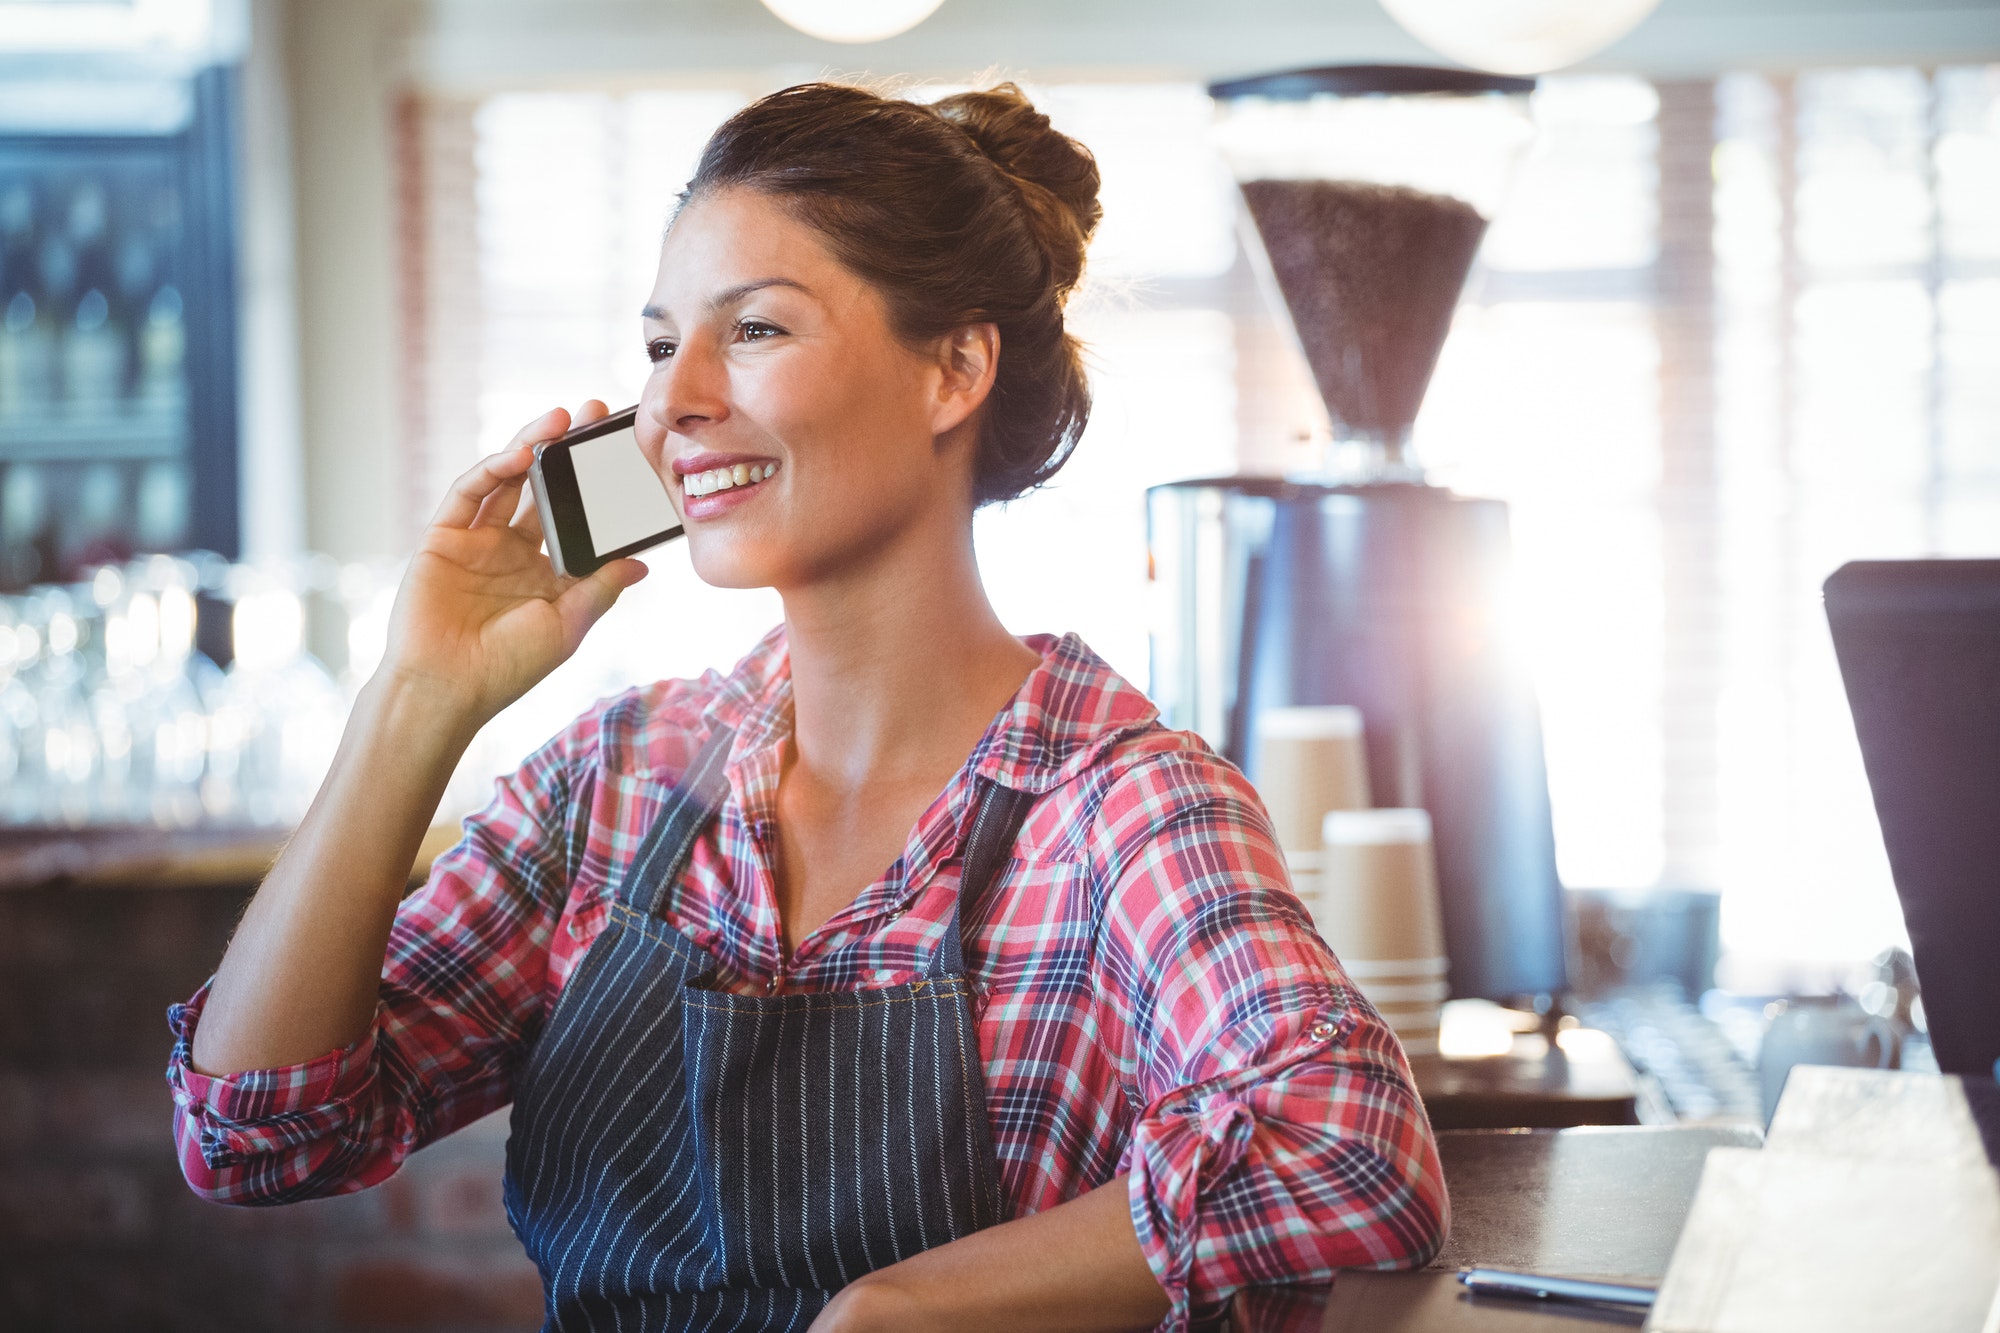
(727, 478)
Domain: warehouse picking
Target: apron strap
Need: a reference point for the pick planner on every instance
(995, 826)
(654, 871)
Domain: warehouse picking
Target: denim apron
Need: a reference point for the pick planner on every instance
(685, 1158)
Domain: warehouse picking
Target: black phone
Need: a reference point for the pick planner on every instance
(599, 497)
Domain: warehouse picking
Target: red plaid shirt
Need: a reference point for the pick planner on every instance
(1154, 997)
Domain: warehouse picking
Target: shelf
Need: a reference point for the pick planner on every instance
(92, 438)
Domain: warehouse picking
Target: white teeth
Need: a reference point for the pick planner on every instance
(726, 478)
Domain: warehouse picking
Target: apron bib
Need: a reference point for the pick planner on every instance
(685, 1158)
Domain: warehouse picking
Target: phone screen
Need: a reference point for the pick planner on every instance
(624, 500)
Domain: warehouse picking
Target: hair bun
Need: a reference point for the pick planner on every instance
(1056, 176)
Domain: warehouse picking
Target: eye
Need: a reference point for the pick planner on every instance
(756, 330)
(659, 349)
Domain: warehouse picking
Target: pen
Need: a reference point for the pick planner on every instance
(1499, 1282)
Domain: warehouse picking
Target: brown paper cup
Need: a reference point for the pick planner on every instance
(1309, 761)
(1378, 904)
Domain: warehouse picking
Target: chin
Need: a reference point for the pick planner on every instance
(722, 562)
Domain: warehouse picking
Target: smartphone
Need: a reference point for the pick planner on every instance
(599, 497)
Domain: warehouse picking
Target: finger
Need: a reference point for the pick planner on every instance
(462, 501)
(547, 426)
(593, 409)
(497, 510)
(584, 602)
(529, 521)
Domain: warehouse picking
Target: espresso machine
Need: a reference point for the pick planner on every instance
(1366, 191)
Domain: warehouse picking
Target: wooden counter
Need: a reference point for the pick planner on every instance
(141, 857)
(1537, 1085)
(1592, 1202)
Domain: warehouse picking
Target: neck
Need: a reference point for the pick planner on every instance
(897, 667)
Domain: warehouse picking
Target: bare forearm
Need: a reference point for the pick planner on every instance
(1076, 1268)
(301, 974)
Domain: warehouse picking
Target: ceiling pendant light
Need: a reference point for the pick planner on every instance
(1517, 36)
(853, 20)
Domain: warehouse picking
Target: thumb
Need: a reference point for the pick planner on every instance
(584, 602)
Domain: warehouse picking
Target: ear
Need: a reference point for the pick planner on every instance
(967, 360)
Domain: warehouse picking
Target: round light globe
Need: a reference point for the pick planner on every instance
(853, 20)
(1516, 36)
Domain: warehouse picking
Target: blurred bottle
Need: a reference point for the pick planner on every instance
(367, 595)
(182, 679)
(162, 354)
(20, 719)
(27, 535)
(93, 359)
(162, 506)
(137, 277)
(107, 668)
(68, 734)
(284, 709)
(151, 668)
(27, 360)
(110, 714)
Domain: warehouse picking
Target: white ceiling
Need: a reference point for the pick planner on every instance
(473, 43)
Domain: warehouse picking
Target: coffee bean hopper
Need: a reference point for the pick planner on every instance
(1366, 191)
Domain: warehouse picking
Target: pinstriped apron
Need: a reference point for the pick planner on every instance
(684, 1158)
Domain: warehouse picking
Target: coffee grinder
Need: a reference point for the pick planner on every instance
(1366, 191)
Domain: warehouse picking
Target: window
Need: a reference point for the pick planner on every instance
(1857, 418)
(1727, 335)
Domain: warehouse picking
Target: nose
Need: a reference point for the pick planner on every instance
(692, 389)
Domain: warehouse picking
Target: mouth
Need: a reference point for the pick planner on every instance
(729, 477)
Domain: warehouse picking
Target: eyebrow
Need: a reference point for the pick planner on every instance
(730, 296)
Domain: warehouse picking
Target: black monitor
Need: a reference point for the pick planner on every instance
(1919, 649)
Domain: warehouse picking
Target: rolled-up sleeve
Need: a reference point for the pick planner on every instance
(464, 986)
(1280, 1136)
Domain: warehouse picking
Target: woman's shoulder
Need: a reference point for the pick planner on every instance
(1094, 742)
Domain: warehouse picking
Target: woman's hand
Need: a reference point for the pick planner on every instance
(481, 615)
(1073, 1268)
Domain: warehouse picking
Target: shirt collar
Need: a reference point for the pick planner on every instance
(1068, 712)
(755, 699)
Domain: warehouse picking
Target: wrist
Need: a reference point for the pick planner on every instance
(874, 1304)
(421, 711)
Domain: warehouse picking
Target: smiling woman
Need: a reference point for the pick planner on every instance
(911, 973)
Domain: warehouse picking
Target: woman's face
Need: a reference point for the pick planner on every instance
(771, 360)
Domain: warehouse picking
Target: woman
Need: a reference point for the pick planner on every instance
(1075, 1060)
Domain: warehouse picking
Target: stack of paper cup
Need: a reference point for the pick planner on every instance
(1378, 908)
(1309, 761)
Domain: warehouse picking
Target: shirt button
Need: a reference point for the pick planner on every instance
(771, 985)
(1322, 1031)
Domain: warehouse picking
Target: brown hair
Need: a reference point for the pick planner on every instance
(968, 210)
